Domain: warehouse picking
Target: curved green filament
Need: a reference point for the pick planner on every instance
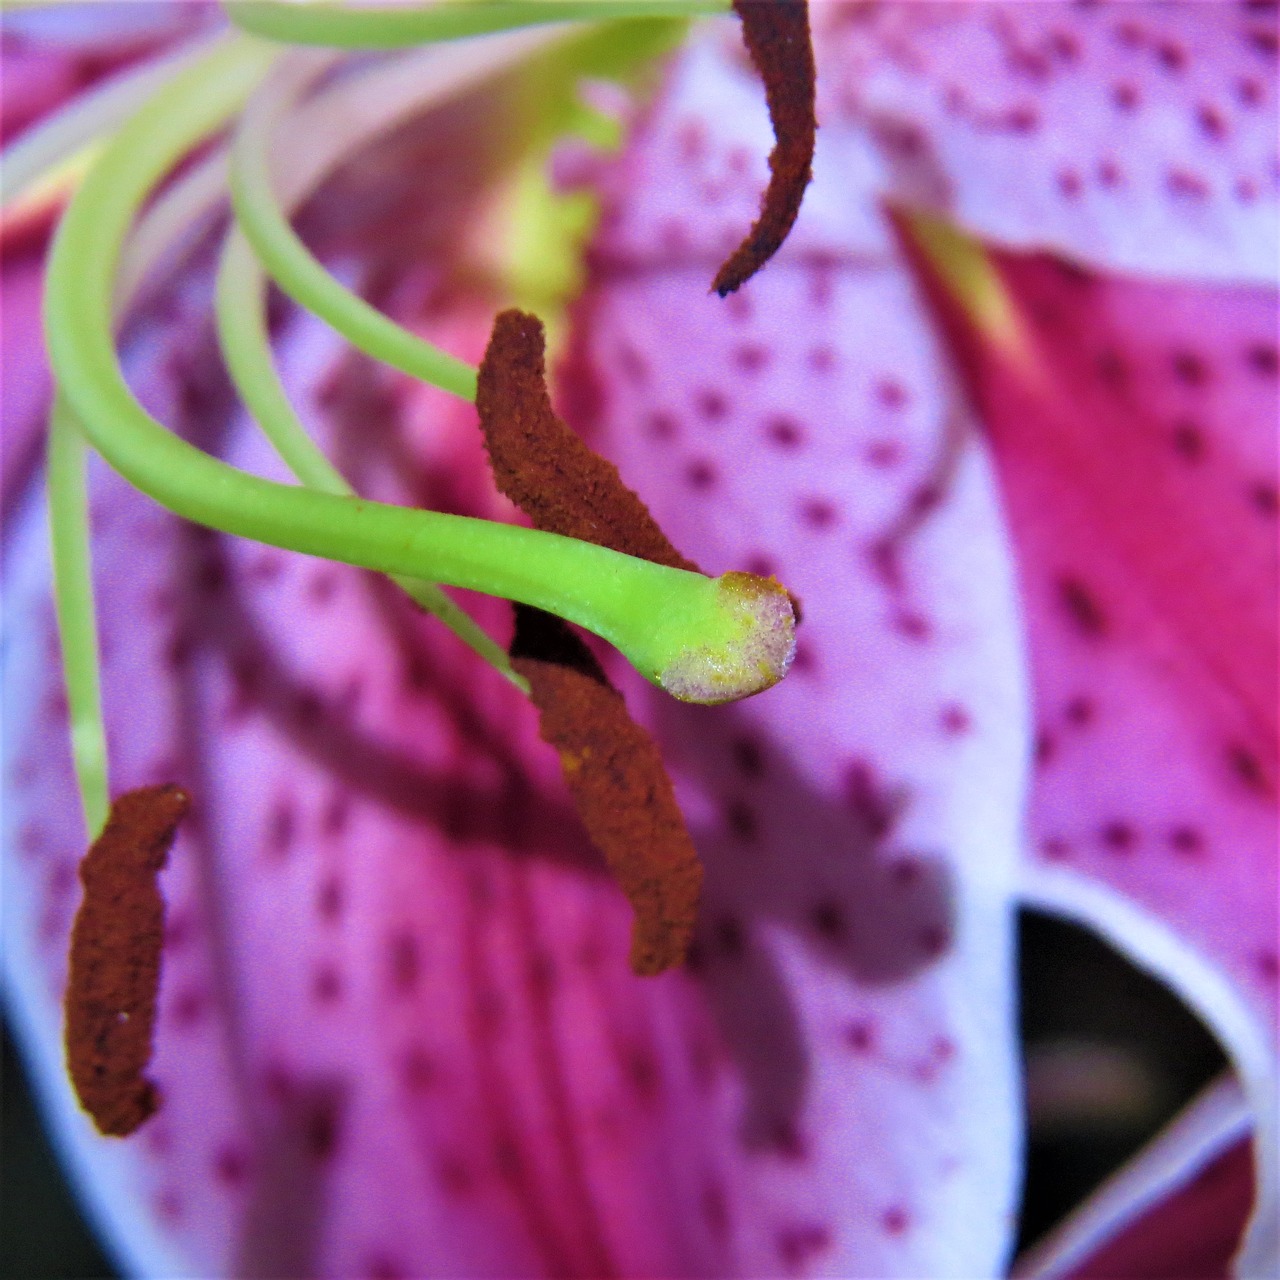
(656, 616)
(394, 26)
(246, 348)
(298, 273)
(73, 600)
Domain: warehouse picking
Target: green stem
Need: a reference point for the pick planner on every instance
(660, 618)
(394, 26)
(246, 348)
(73, 600)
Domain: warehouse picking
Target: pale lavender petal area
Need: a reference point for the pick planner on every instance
(860, 822)
(1137, 137)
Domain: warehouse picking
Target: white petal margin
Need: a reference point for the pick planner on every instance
(1154, 947)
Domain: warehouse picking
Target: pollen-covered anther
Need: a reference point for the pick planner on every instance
(776, 33)
(620, 788)
(544, 467)
(114, 973)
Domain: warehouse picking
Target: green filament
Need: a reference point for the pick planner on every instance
(298, 273)
(73, 600)
(656, 616)
(394, 26)
(246, 348)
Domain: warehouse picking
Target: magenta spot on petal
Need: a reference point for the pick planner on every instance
(230, 1165)
(860, 1036)
(1125, 96)
(1189, 368)
(867, 798)
(943, 1048)
(1172, 56)
(326, 984)
(404, 963)
(168, 1207)
(1249, 91)
(643, 1075)
(821, 359)
(761, 565)
(1181, 182)
(891, 394)
(784, 432)
(419, 1071)
(1082, 607)
(455, 1176)
(798, 1244)
(787, 1142)
(322, 1127)
(700, 474)
(828, 921)
(329, 899)
(1110, 174)
(715, 1210)
(1188, 841)
(895, 1220)
(323, 587)
(189, 1007)
(1055, 848)
(1112, 371)
(1264, 498)
(1118, 836)
(955, 720)
(280, 828)
(906, 872)
(915, 626)
(1211, 121)
(1268, 965)
(1247, 768)
(381, 1266)
(748, 757)
(729, 938)
(935, 940)
(818, 513)
(751, 358)
(741, 820)
(1070, 183)
(1187, 440)
(884, 453)
(632, 363)
(660, 425)
(1079, 711)
(1263, 359)
(712, 405)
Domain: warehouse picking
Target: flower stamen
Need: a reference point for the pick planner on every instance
(110, 1003)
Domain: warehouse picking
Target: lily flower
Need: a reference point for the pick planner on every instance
(1001, 412)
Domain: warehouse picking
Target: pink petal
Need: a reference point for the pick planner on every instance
(1137, 136)
(1136, 440)
(859, 822)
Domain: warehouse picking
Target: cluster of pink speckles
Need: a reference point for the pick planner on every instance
(1141, 472)
(1134, 135)
(802, 428)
